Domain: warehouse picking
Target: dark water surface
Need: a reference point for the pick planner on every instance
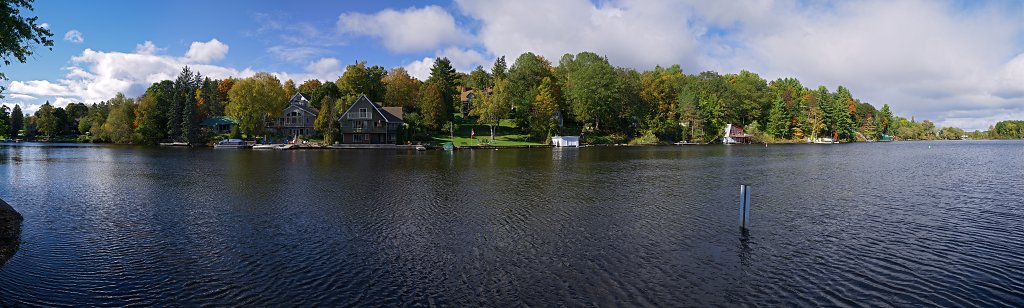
(884, 224)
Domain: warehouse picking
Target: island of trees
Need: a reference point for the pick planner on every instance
(529, 101)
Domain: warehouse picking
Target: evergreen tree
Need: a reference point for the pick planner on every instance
(17, 121)
(499, 70)
(479, 79)
(442, 76)
(885, 120)
(5, 121)
(778, 119)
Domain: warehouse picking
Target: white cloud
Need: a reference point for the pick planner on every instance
(146, 48)
(201, 52)
(325, 68)
(294, 54)
(409, 30)
(630, 33)
(44, 25)
(420, 69)
(21, 97)
(74, 36)
(95, 76)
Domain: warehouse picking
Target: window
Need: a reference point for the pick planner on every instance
(357, 138)
(362, 114)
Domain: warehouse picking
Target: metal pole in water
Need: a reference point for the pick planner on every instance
(744, 206)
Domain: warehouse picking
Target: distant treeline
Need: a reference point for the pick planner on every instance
(580, 94)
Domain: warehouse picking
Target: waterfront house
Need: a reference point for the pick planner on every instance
(368, 123)
(296, 119)
(467, 98)
(218, 125)
(734, 134)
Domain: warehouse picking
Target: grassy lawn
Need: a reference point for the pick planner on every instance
(505, 134)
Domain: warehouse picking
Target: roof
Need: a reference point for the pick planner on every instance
(303, 107)
(737, 132)
(299, 96)
(395, 111)
(466, 92)
(390, 118)
(219, 120)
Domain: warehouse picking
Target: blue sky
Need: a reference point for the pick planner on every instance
(959, 63)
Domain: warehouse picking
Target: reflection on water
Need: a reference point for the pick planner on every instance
(887, 224)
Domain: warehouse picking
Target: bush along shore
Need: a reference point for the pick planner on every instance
(10, 231)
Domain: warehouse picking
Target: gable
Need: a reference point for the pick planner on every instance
(363, 102)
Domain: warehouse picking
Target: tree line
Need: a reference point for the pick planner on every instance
(580, 94)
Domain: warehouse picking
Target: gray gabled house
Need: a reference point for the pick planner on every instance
(296, 119)
(369, 123)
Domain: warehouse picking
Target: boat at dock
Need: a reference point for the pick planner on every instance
(265, 146)
(174, 144)
(232, 144)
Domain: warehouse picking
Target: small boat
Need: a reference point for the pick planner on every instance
(448, 146)
(421, 148)
(174, 144)
(265, 146)
(824, 140)
(286, 146)
(232, 144)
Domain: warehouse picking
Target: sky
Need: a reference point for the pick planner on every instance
(957, 63)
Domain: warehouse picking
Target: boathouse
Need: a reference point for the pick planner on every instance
(218, 124)
(734, 134)
(565, 141)
(366, 122)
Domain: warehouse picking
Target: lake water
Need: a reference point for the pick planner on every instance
(882, 224)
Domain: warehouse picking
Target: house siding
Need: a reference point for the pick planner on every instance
(364, 123)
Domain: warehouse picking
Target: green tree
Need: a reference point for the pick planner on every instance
(151, 114)
(500, 69)
(255, 99)
(524, 80)
(591, 87)
(307, 86)
(778, 119)
(289, 88)
(46, 121)
(545, 107)
(93, 123)
(329, 112)
(17, 121)
(433, 111)
(490, 109)
(442, 76)
(20, 34)
(479, 79)
(401, 89)
(360, 79)
(118, 127)
(885, 120)
(5, 121)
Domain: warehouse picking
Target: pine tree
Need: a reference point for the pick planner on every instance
(778, 119)
(17, 121)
